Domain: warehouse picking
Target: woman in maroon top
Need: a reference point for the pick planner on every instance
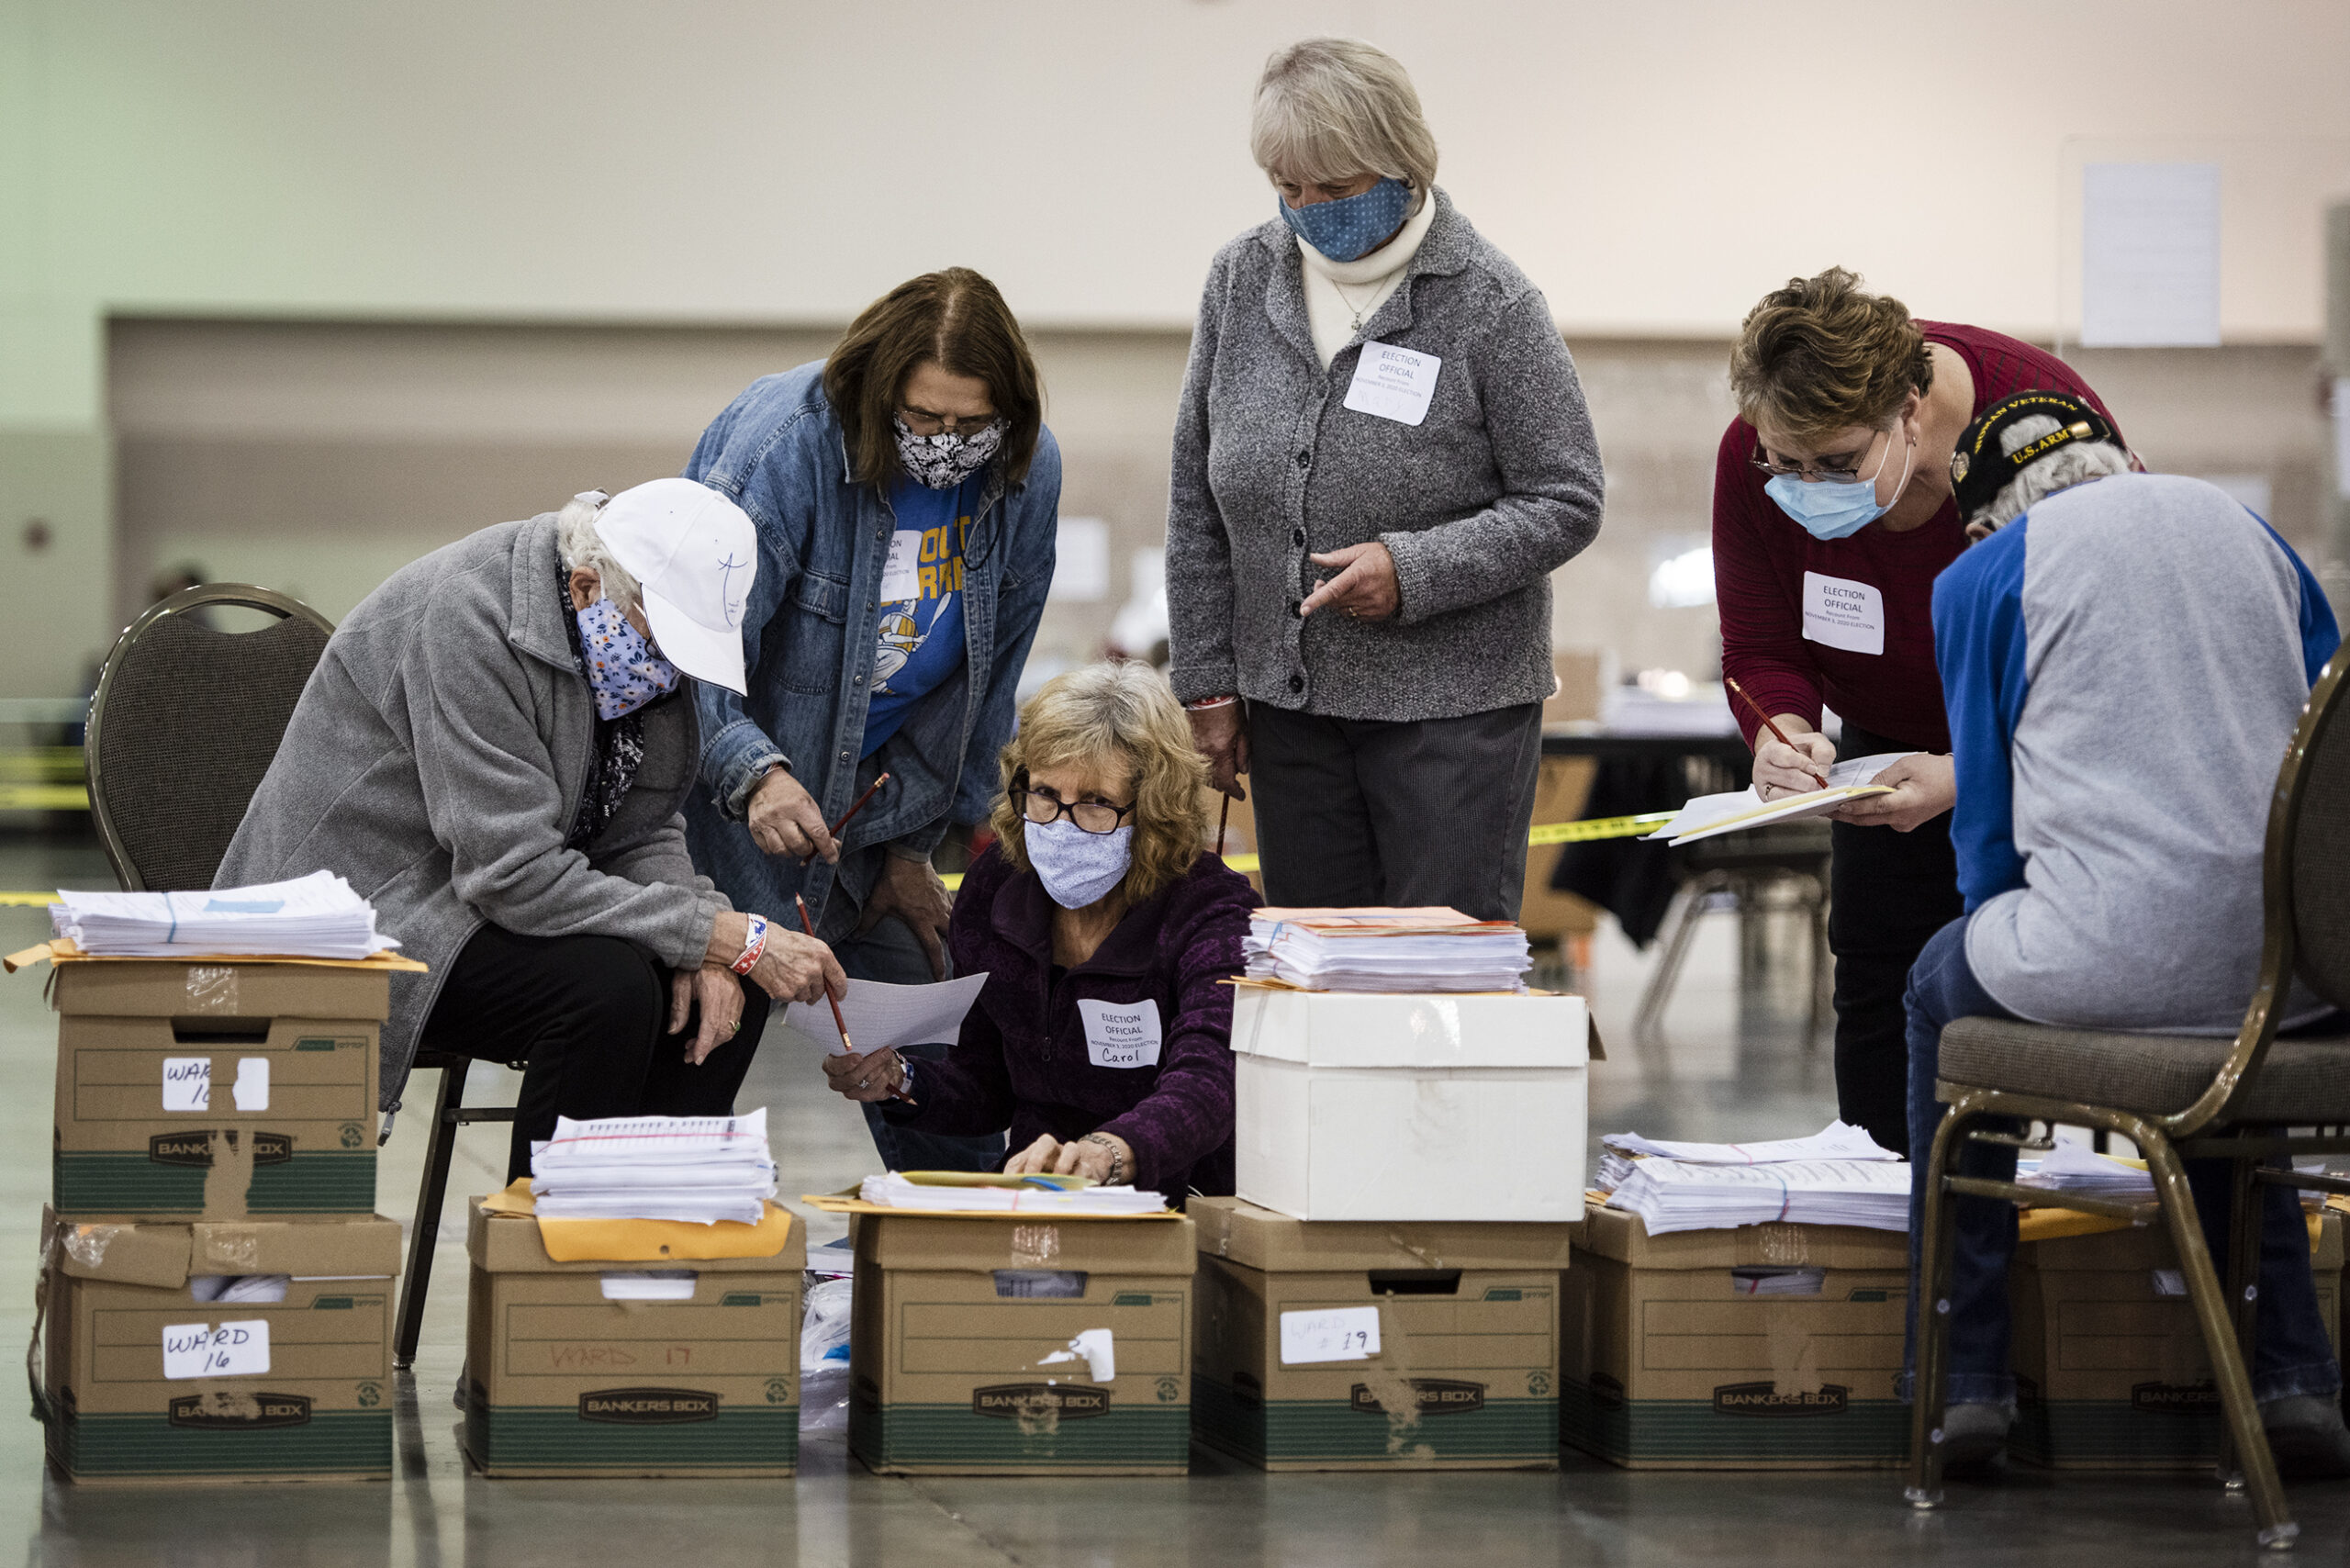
(1103, 1039)
(1833, 515)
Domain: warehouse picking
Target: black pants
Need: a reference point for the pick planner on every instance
(591, 1015)
(1375, 812)
(1889, 893)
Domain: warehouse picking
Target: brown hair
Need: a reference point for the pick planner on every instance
(1824, 354)
(1121, 710)
(956, 318)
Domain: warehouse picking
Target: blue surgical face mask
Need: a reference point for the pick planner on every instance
(1352, 226)
(1077, 868)
(623, 667)
(1837, 509)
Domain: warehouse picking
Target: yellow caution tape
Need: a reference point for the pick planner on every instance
(1545, 832)
(28, 901)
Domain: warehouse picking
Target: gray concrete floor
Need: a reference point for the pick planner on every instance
(1732, 1061)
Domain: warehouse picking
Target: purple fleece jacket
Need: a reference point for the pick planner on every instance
(1021, 1061)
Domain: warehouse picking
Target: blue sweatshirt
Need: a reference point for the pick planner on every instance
(2123, 666)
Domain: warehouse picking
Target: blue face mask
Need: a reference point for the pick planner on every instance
(1838, 508)
(1352, 226)
(622, 668)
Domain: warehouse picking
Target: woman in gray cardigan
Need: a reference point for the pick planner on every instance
(493, 750)
(1381, 453)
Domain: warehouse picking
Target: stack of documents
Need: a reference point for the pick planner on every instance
(1041, 1195)
(697, 1169)
(1673, 1195)
(1386, 951)
(317, 916)
(1742, 808)
(2069, 1168)
(1837, 1140)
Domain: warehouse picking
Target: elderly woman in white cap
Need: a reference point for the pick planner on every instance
(493, 750)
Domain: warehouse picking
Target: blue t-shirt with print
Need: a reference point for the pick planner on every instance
(922, 603)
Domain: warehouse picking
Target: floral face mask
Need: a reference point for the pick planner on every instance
(625, 669)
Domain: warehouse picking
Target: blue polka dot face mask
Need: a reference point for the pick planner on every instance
(1352, 226)
(622, 666)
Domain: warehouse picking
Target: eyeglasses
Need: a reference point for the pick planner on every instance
(1830, 471)
(1090, 816)
(923, 422)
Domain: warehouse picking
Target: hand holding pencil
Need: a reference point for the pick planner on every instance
(839, 1068)
(1805, 761)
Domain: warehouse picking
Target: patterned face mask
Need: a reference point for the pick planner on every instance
(622, 666)
(943, 461)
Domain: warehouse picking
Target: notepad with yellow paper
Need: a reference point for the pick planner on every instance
(1738, 810)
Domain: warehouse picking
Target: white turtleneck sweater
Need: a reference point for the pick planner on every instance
(1340, 295)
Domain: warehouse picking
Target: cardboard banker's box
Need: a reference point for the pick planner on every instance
(147, 1382)
(1339, 1345)
(1010, 1346)
(2111, 1369)
(215, 1090)
(1771, 1347)
(630, 1368)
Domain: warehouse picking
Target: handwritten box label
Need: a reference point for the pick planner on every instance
(187, 1083)
(232, 1349)
(1120, 1033)
(1329, 1334)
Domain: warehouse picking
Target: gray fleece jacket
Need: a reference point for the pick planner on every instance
(437, 759)
(1498, 484)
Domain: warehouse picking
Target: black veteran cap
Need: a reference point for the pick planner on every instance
(1979, 470)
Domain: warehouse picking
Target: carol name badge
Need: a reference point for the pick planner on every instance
(1840, 613)
(1393, 383)
(1120, 1033)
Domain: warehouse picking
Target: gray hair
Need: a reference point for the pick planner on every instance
(1331, 109)
(2075, 463)
(581, 546)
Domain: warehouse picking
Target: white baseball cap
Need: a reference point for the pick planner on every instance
(694, 554)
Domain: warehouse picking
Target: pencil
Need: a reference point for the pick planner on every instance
(838, 1022)
(1740, 692)
(858, 806)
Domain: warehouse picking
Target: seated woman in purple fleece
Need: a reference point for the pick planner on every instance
(1102, 1037)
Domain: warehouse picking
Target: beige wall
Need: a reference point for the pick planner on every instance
(779, 162)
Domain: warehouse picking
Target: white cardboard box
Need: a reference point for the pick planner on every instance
(1359, 1106)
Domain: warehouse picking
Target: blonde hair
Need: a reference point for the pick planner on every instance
(1824, 354)
(1331, 109)
(1121, 710)
(579, 545)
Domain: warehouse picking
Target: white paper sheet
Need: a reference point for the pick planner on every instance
(2150, 254)
(879, 1015)
(1837, 1140)
(1738, 810)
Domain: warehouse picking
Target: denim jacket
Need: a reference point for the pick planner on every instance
(810, 632)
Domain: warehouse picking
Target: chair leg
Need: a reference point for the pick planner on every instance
(2245, 1198)
(440, 1147)
(1938, 1249)
(2277, 1528)
(1676, 949)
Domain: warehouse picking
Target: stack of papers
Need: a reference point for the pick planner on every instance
(2069, 1168)
(1742, 808)
(1045, 1195)
(1837, 1140)
(1673, 1195)
(701, 1169)
(317, 916)
(1386, 951)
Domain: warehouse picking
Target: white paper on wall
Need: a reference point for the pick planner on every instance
(2149, 255)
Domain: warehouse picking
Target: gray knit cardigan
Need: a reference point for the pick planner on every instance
(1500, 484)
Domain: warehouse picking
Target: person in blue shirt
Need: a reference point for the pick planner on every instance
(905, 493)
(2101, 618)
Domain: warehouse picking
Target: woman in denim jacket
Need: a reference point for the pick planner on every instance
(905, 494)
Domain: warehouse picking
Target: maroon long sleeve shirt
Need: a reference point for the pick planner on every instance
(1762, 558)
(1024, 1062)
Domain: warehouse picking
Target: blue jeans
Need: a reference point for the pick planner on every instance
(889, 953)
(2292, 1352)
